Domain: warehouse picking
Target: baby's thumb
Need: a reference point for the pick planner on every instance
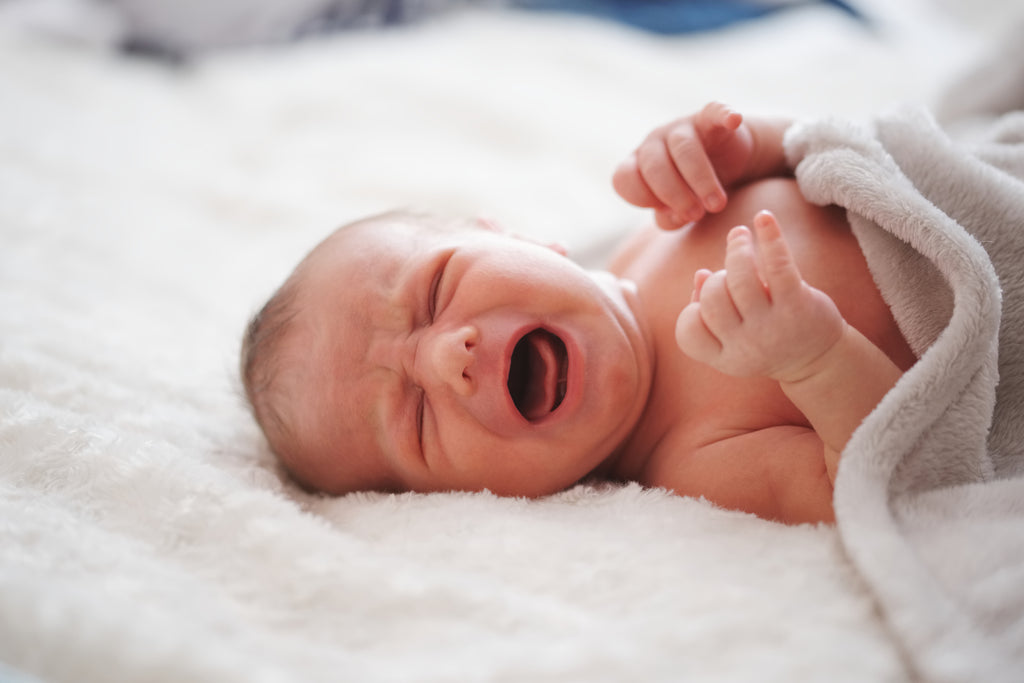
(699, 278)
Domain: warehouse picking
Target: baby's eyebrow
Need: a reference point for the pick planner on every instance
(399, 296)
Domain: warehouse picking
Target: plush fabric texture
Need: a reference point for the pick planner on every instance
(930, 493)
(146, 534)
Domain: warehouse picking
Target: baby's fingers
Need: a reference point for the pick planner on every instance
(715, 122)
(695, 326)
(778, 268)
(694, 338)
(690, 146)
(660, 172)
(691, 160)
(666, 219)
(717, 309)
(699, 278)
(745, 285)
(630, 185)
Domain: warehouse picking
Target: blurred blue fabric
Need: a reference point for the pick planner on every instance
(676, 16)
(158, 29)
(657, 16)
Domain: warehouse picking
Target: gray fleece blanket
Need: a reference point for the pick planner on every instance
(930, 492)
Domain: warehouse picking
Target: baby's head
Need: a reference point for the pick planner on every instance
(406, 352)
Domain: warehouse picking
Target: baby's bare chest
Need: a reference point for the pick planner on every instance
(662, 263)
(827, 254)
(692, 404)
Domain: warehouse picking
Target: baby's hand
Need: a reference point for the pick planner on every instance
(681, 169)
(756, 319)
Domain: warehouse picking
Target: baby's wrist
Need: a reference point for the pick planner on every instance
(816, 364)
(768, 156)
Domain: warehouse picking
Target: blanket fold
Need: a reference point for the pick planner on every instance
(930, 492)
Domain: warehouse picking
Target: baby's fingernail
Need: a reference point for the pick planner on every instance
(688, 216)
(766, 225)
(737, 232)
(714, 202)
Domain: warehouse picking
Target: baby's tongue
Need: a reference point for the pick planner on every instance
(539, 395)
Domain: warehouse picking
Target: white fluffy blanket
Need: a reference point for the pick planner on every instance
(930, 494)
(145, 212)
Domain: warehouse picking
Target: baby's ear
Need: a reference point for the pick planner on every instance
(558, 248)
(490, 225)
(493, 226)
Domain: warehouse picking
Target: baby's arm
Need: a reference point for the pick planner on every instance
(758, 317)
(682, 169)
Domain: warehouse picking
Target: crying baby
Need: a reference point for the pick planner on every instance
(409, 352)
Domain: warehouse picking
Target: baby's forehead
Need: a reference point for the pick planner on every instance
(420, 225)
(360, 271)
(376, 246)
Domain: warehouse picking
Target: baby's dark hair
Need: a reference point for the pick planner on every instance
(260, 361)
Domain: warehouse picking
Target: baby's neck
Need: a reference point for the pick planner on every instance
(628, 460)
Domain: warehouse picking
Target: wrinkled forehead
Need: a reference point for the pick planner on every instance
(348, 288)
(364, 262)
(383, 233)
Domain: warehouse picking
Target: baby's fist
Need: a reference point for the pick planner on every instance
(681, 169)
(758, 317)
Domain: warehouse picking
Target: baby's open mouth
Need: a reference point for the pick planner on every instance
(537, 374)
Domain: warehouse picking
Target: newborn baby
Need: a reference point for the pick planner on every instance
(407, 352)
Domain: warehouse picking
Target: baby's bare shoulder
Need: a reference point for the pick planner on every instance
(627, 253)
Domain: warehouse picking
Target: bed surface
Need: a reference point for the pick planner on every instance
(147, 211)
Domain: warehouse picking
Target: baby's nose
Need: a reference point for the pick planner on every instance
(448, 359)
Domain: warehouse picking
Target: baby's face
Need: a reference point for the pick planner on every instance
(458, 359)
